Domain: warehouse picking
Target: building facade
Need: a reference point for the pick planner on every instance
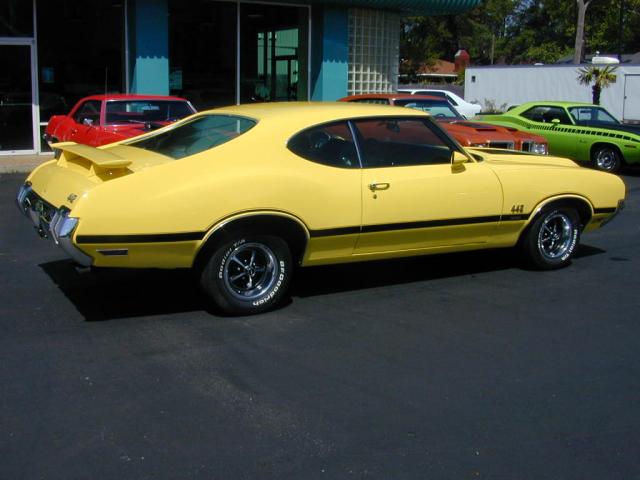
(214, 53)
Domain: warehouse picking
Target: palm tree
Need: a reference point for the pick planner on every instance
(601, 77)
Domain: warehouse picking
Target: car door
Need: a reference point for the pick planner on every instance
(413, 198)
(553, 123)
(86, 123)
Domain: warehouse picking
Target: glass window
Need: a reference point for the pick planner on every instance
(437, 109)
(547, 114)
(88, 113)
(330, 144)
(16, 118)
(399, 142)
(374, 38)
(16, 18)
(80, 51)
(197, 135)
(273, 53)
(202, 52)
(587, 115)
(144, 111)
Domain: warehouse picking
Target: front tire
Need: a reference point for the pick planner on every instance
(607, 159)
(552, 238)
(248, 275)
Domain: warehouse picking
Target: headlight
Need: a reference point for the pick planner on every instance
(540, 148)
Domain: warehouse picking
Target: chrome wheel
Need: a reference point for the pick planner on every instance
(552, 238)
(607, 159)
(556, 236)
(250, 270)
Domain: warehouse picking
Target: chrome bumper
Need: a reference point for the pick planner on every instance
(51, 222)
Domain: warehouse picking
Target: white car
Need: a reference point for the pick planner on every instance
(469, 110)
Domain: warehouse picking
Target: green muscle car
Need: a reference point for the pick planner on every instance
(580, 131)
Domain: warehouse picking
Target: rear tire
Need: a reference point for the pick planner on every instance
(248, 275)
(552, 238)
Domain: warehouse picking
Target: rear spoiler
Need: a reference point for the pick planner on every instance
(103, 159)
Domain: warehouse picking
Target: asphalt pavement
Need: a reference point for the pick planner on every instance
(449, 367)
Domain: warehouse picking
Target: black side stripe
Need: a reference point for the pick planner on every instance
(415, 225)
(330, 232)
(149, 238)
(604, 210)
(334, 232)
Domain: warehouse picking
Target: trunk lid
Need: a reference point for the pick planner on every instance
(81, 168)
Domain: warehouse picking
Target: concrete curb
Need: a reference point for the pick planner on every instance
(21, 163)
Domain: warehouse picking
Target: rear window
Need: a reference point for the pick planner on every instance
(197, 135)
(145, 111)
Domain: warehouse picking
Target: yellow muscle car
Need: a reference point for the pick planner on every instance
(243, 194)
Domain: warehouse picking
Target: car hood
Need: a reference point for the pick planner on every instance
(507, 160)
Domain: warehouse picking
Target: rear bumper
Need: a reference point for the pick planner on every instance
(51, 222)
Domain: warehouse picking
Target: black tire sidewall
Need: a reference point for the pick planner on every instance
(212, 277)
(618, 164)
(533, 255)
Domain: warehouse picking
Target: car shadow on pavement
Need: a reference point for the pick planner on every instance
(109, 294)
(355, 276)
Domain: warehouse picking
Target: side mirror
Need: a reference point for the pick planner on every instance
(458, 158)
(555, 122)
(88, 122)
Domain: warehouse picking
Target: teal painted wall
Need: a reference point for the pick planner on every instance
(330, 53)
(149, 47)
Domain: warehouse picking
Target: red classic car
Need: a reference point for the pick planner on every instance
(102, 119)
(466, 132)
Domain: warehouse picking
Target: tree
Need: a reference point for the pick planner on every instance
(578, 53)
(601, 77)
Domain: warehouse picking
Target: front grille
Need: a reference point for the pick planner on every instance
(502, 144)
(527, 145)
(40, 211)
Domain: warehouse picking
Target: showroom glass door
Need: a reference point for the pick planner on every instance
(16, 98)
(274, 43)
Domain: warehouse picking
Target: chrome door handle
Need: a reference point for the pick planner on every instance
(379, 186)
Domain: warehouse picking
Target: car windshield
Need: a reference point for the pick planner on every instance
(438, 109)
(145, 111)
(195, 136)
(587, 115)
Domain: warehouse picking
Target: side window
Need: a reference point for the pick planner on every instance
(88, 113)
(331, 144)
(547, 114)
(534, 114)
(399, 142)
(556, 113)
(453, 102)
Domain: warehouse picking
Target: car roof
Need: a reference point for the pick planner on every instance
(130, 96)
(391, 96)
(298, 115)
(554, 103)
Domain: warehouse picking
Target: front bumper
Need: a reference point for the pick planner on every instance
(51, 222)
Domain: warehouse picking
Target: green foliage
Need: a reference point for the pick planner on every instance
(600, 76)
(519, 31)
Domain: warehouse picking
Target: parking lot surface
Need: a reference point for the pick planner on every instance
(449, 367)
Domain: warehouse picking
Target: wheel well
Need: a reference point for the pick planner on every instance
(595, 146)
(292, 232)
(582, 207)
